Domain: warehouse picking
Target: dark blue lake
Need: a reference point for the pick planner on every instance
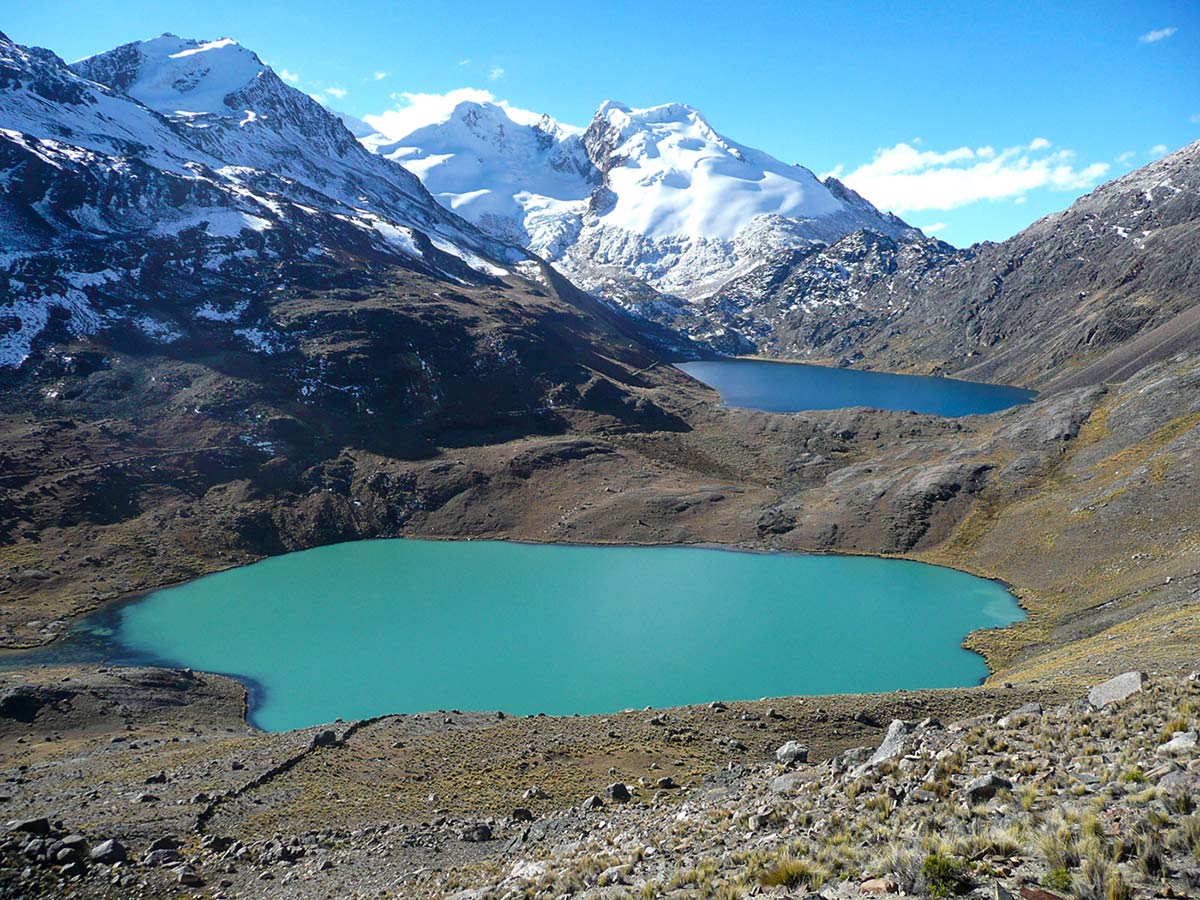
(796, 387)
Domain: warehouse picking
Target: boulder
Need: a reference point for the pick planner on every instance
(109, 852)
(477, 834)
(786, 784)
(1029, 710)
(792, 752)
(39, 825)
(885, 885)
(162, 858)
(892, 746)
(593, 802)
(1116, 689)
(986, 787)
(326, 738)
(619, 792)
(1181, 743)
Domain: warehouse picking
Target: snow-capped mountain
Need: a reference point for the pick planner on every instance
(187, 168)
(228, 103)
(656, 194)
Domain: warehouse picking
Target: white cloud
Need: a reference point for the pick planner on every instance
(934, 228)
(905, 179)
(1158, 34)
(496, 73)
(465, 61)
(379, 76)
(1158, 150)
(289, 77)
(417, 110)
(1126, 158)
(1194, 119)
(339, 93)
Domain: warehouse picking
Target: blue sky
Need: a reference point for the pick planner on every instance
(978, 117)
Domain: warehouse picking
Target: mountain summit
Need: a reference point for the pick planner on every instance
(655, 194)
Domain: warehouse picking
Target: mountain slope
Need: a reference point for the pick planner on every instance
(1081, 296)
(653, 194)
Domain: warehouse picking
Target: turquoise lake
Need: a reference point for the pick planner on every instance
(372, 627)
(795, 387)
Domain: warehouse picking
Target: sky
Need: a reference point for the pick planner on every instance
(970, 120)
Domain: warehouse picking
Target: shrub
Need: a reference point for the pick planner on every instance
(945, 876)
(789, 872)
(1057, 880)
(1100, 879)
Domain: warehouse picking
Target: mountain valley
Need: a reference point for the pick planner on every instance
(235, 324)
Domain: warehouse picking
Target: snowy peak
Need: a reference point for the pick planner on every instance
(495, 171)
(178, 77)
(40, 97)
(656, 192)
(674, 175)
(221, 97)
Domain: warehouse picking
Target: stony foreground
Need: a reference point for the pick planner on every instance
(157, 788)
